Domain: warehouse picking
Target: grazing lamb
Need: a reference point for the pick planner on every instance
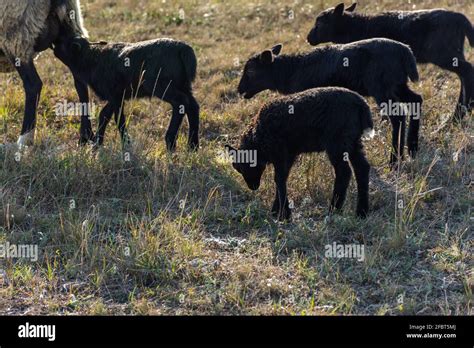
(436, 36)
(328, 119)
(28, 27)
(379, 68)
(161, 68)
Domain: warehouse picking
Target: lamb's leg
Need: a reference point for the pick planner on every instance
(469, 86)
(32, 84)
(121, 122)
(104, 119)
(384, 101)
(276, 204)
(343, 177)
(465, 72)
(406, 95)
(193, 119)
(461, 101)
(178, 101)
(282, 171)
(86, 128)
(361, 170)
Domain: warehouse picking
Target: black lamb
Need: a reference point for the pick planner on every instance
(328, 119)
(162, 68)
(436, 36)
(378, 67)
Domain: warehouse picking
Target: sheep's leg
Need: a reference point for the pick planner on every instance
(276, 204)
(178, 101)
(104, 119)
(361, 170)
(406, 95)
(282, 171)
(86, 128)
(193, 119)
(384, 102)
(32, 84)
(343, 177)
(461, 101)
(121, 122)
(465, 71)
(469, 86)
(172, 133)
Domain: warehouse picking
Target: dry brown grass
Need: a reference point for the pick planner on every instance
(181, 234)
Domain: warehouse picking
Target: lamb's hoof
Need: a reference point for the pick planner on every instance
(171, 147)
(127, 145)
(284, 215)
(413, 150)
(393, 166)
(395, 163)
(87, 140)
(193, 147)
(127, 151)
(362, 212)
(460, 113)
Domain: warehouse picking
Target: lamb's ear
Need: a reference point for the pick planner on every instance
(276, 50)
(352, 7)
(339, 9)
(267, 57)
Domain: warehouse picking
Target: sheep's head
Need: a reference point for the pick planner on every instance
(70, 50)
(257, 75)
(327, 27)
(246, 162)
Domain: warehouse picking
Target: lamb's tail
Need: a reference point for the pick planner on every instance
(409, 63)
(69, 11)
(189, 60)
(469, 30)
(367, 125)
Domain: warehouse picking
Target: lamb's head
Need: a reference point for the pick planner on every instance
(69, 51)
(258, 75)
(328, 27)
(247, 163)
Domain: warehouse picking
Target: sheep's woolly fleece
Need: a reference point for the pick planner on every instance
(22, 21)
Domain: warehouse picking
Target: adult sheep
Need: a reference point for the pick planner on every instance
(28, 27)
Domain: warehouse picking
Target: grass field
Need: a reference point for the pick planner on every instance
(182, 234)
